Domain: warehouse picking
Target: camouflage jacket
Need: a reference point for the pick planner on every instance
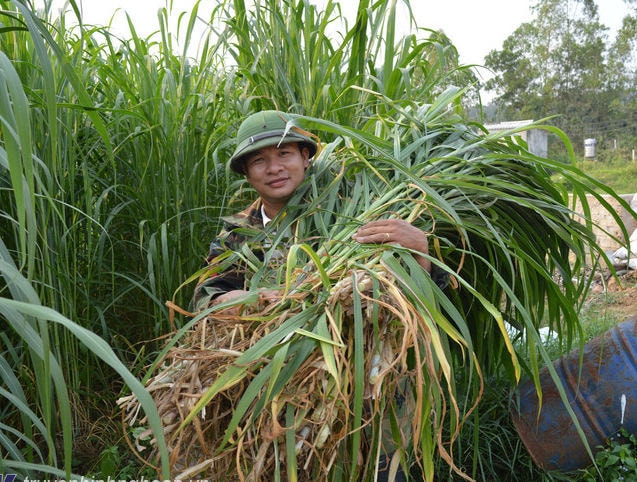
(233, 235)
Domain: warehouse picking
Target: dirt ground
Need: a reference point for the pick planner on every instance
(617, 297)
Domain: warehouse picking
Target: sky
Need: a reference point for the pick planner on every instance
(474, 27)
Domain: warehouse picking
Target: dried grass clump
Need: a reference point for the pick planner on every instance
(305, 416)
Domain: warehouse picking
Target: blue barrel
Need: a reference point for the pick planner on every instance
(602, 393)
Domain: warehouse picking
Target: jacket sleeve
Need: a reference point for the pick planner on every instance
(211, 285)
(237, 230)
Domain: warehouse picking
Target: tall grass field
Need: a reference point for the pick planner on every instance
(113, 178)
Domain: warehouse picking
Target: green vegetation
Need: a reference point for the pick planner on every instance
(619, 175)
(113, 177)
(617, 461)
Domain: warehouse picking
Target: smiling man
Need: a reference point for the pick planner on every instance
(274, 158)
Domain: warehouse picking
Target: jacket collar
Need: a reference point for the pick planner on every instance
(249, 218)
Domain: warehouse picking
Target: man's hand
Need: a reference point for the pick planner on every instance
(229, 296)
(265, 298)
(396, 231)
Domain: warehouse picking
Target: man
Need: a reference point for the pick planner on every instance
(274, 159)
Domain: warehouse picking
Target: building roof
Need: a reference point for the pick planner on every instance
(501, 126)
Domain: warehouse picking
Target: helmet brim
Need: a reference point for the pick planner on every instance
(267, 139)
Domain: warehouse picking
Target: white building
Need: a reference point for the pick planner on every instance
(537, 139)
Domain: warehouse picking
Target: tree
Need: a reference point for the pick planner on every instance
(621, 81)
(560, 64)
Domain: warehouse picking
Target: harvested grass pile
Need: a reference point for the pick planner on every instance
(300, 386)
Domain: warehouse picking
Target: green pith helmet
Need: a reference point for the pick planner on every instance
(266, 128)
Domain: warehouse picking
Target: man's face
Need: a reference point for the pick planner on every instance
(276, 172)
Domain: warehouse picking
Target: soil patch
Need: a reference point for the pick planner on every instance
(616, 297)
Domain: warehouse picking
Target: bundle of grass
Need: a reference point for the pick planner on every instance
(298, 389)
(314, 385)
